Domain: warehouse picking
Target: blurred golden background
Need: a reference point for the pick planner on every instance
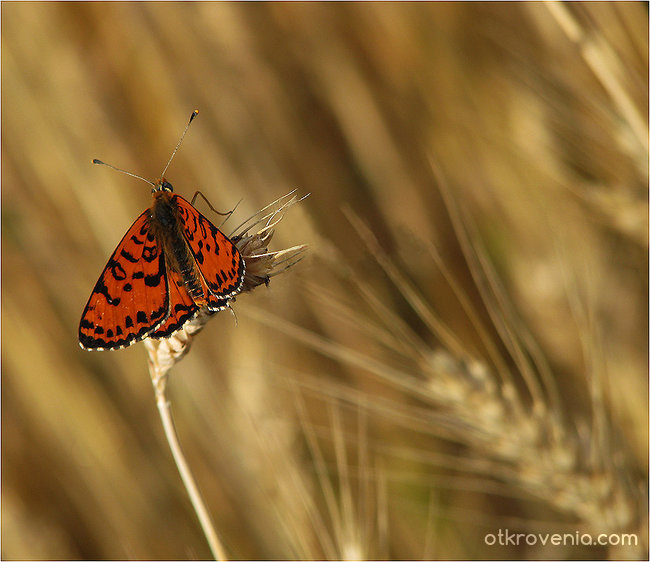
(464, 348)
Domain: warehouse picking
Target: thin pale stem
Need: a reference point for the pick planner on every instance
(164, 408)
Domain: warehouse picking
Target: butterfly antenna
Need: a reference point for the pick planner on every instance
(194, 114)
(96, 161)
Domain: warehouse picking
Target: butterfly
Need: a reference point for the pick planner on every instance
(170, 263)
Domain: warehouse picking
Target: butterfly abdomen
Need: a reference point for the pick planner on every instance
(166, 225)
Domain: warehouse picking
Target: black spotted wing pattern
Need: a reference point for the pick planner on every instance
(131, 298)
(219, 262)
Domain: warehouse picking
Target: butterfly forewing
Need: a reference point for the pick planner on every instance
(131, 298)
(217, 258)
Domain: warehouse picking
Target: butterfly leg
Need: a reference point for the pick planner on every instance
(227, 214)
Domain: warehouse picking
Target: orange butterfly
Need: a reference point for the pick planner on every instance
(170, 263)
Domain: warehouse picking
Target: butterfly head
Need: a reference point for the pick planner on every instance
(162, 185)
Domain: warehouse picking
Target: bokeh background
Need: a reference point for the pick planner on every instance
(464, 347)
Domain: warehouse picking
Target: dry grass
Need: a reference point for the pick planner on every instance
(463, 350)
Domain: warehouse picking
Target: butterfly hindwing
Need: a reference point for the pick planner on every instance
(181, 307)
(217, 258)
(131, 297)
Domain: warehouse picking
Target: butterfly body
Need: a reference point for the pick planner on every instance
(165, 226)
(171, 263)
